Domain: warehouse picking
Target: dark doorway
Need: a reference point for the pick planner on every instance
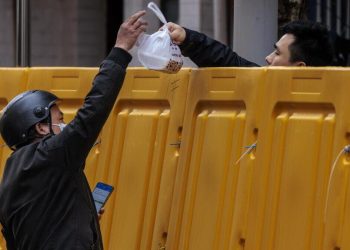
(114, 20)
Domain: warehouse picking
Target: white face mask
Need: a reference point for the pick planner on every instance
(61, 125)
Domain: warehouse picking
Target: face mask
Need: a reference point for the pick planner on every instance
(61, 125)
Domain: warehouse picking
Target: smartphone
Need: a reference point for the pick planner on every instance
(101, 194)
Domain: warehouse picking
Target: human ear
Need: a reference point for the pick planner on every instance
(41, 129)
(300, 63)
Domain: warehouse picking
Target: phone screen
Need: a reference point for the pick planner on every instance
(101, 194)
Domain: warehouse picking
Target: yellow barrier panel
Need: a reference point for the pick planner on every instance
(146, 123)
(12, 82)
(171, 145)
(304, 126)
(209, 210)
(142, 144)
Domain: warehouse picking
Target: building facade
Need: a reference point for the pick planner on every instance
(81, 32)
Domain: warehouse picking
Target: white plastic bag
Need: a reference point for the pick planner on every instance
(157, 51)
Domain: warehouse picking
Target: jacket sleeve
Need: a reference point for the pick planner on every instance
(207, 52)
(10, 241)
(79, 135)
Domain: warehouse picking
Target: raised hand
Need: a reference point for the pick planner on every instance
(130, 30)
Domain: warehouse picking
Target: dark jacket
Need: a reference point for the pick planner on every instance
(207, 52)
(45, 199)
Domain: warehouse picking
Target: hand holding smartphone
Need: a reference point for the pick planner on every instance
(101, 194)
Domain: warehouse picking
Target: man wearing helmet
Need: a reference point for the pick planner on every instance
(36, 109)
(45, 200)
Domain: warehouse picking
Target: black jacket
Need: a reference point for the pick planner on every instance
(207, 52)
(45, 199)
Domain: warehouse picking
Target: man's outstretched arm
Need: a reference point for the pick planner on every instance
(80, 134)
(204, 51)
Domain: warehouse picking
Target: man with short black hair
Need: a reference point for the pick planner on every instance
(302, 44)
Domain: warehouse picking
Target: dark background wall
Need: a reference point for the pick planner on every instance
(62, 32)
(7, 33)
(81, 32)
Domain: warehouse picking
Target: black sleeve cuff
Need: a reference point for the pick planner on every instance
(192, 38)
(186, 42)
(120, 57)
(187, 38)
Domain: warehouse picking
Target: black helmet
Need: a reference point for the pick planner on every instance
(22, 112)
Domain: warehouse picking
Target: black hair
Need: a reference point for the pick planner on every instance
(312, 43)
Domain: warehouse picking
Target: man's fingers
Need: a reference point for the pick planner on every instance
(141, 29)
(140, 23)
(135, 17)
(130, 30)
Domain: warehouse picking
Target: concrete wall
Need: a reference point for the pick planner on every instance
(255, 28)
(91, 32)
(7, 34)
(63, 33)
(53, 29)
(67, 32)
(73, 32)
(220, 20)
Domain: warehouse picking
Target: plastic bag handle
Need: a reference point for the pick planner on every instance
(152, 6)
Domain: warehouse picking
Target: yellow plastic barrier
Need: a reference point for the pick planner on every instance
(180, 151)
(220, 120)
(141, 142)
(138, 149)
(304, 124)
(12, 82)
